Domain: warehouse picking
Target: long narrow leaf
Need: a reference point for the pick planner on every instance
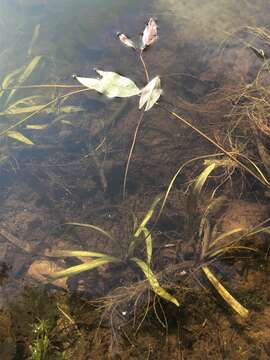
(240, 309)
(19, 137)
(22, 110)
(76, 253)
(9, 79)
(74, 270)
(36, 126)
(149, 245)
(143, 224)
(148, 215)
(25, 75)
(68, 109)
(201, 179)
(154, 282)
(94, 227)
(225, 235)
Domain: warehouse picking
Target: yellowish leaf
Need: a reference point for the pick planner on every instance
(19, 137)
(154, 282)
(37, 126)
(240, 309)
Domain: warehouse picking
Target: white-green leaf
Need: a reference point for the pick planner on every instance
(19, 137)
(150, 94)
(154, 282)
(111, 84)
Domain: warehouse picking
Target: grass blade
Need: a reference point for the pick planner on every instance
(74, 270)
(19, 137)
(201, 179)
(142, 225)
(154, 283)
(224, 235)
(22, 110)
(148, 215)
(8, 80)
(25, 75)
(37, 126)
(76, 253)
(94, 227)
(240, 309)
(149, 245)
(68, 109)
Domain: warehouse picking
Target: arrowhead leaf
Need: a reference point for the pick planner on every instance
(111, 84)
(150, 94)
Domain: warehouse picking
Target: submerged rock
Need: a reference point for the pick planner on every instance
(243, 214)
(40, 270)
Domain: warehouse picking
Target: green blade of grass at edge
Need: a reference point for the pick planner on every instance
(83, 267)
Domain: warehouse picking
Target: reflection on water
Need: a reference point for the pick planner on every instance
(67, 164)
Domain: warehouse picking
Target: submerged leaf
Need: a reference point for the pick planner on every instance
(25, 75)
(23, 110)
(94, 227)
(150, 94)
(142, 226)
(111, 84)
(68, 109)
(34, 39)
(201, 179)
(77, 269)
(148, 215)
(37, 126)
(240, 309)
(154, 282)
(19, 136)
(76, 253)
(9, 79)
(149, 35)
(149, 245)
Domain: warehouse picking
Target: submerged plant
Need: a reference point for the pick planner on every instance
(99, 259)
(12, 106)
(40, 347)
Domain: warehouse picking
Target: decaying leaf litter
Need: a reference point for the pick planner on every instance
(149, 95)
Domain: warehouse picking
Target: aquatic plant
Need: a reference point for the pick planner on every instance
(40, 347)
(208, 246)
(12, 106)
(98, 259)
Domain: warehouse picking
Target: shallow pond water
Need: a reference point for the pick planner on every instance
(67, 163)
